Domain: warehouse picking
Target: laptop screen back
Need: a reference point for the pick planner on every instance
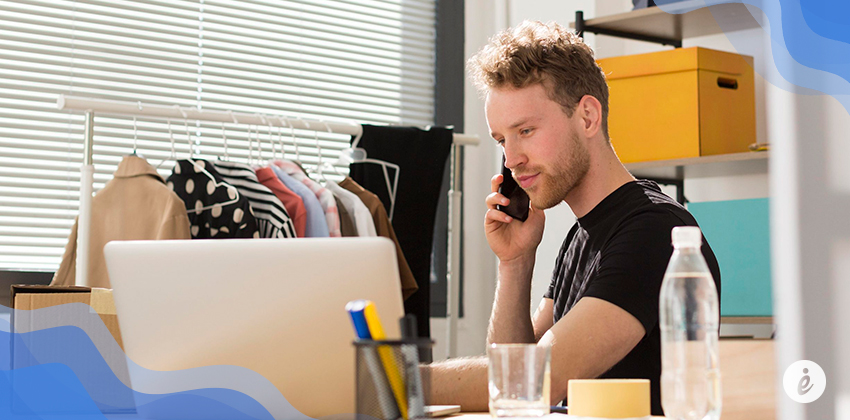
(275, 307)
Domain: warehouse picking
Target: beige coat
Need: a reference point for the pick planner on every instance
(134, 205)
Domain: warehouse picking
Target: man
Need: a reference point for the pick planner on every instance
(547, 107)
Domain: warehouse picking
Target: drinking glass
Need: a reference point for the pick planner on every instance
(518, 380)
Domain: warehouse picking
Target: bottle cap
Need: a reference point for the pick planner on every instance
(686, 236)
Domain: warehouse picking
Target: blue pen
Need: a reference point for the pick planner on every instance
(355, 311)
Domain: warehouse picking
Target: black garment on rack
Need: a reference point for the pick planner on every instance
(421, 156)
(197, 190)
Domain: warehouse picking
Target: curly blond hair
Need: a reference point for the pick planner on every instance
(546, 53)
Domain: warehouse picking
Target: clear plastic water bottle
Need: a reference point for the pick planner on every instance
(689, 321)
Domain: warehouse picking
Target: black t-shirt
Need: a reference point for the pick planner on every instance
(618, 252)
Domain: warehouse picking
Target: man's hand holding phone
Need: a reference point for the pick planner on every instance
(509, 238)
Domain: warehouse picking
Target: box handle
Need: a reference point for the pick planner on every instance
(727, 83)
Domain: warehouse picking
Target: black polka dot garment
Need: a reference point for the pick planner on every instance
(215, 208)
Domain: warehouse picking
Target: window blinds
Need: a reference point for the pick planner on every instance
(328, 60)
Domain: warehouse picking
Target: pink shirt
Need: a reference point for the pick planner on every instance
(292, 202)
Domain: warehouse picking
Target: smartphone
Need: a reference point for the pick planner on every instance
(518, 207)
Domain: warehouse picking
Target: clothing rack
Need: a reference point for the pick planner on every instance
(92, 106)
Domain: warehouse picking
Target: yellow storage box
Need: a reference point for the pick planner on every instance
(678, 104)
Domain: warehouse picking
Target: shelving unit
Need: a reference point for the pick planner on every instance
(759, 327)
(702, 167)
(669, 26)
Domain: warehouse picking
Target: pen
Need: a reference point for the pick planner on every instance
(376, 329)
(382, 389)
(355, 311)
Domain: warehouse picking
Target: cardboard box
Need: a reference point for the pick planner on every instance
(30, 297)
(681, 103)
(42, 337)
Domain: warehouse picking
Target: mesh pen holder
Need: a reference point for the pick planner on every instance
(390, 385)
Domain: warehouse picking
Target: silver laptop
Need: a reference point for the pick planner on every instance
(274, 310)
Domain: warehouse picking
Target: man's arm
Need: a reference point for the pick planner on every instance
(464, 381)
(515, 244)
(460, 381)
(587, 342)
(543, 318)
(510, 321)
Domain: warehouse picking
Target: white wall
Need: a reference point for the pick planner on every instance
(479, 264)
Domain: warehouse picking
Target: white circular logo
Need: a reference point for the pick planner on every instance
(804, 381)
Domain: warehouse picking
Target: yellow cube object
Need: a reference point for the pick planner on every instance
(682, 103)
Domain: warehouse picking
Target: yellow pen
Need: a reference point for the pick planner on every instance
(387, 357)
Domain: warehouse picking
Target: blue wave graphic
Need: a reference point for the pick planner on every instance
(79, 381)
(62, 360)
(809, 42)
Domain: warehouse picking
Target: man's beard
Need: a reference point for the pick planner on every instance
(553, 188)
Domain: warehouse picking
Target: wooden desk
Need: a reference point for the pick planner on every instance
(748, 375)
(748, 378)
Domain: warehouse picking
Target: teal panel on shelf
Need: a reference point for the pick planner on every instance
(739, 233)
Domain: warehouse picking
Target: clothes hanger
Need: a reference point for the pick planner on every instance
(271, 143)
(323, 164)
(390, 189)
(260, 150)
(259, 158)
(279, 140)
(256, 151)
(352, 154)
(224, 140)
(135, 140)
(173, 155)
(136, 135)
(318, 169)
(202, 169)
(224, 135)
(356, 154)
(294, 142)
(260, 161)
(280, 136)
(250, 146)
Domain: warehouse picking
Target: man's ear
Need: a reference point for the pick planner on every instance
(589, 110)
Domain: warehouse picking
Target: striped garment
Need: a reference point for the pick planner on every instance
(326, 198)
(272, 219)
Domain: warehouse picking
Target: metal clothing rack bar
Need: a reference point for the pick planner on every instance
(140, 109)
(93, 106)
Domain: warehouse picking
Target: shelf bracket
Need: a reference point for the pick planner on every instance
(582, 27)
